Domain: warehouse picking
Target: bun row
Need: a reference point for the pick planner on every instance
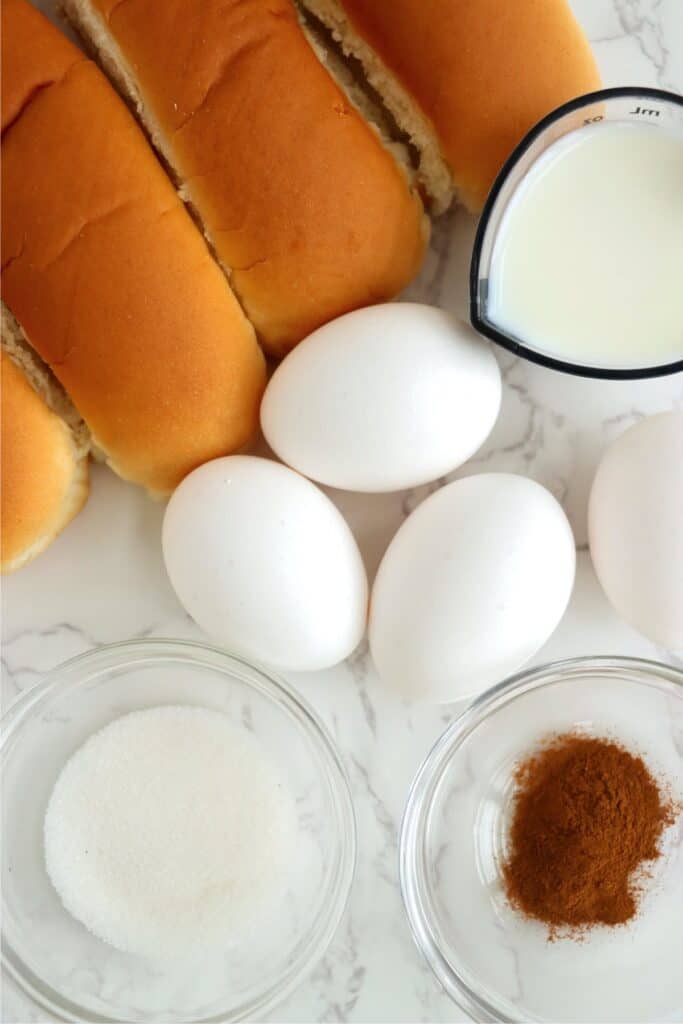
(149, 286)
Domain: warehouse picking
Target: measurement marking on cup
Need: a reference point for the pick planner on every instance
(645, 113)
(594, 120)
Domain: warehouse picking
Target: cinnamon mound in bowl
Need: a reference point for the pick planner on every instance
(587, 818)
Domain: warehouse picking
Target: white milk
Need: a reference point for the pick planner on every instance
(588, 260)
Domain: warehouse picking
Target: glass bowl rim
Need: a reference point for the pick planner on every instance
(488, 330)
(301, 716)
(420, 799)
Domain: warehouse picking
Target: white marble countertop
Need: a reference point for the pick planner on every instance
(103, 580)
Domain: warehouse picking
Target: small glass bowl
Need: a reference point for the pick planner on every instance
(494, 963)
(52, 957)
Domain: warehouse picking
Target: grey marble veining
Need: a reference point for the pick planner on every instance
(104, 580)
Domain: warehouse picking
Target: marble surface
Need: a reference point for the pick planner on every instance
(103, 580)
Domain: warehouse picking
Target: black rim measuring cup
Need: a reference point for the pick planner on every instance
(629, 103)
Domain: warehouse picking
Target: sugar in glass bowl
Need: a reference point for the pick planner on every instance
(494, 963)
(66, 970)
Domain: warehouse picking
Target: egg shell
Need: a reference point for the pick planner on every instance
(383, 398)
(265, 564)
(635, 527)
(471, 586)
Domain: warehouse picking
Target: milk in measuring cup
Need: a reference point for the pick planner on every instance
(587, 265)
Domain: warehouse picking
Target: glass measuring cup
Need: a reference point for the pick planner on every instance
(629, 104)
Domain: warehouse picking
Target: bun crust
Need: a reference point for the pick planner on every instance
(307, 210)
(109, 278)
(44, 481)
(466, 79)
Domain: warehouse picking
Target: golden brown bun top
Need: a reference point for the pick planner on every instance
(107, 274)
(31, 58)
(483, 71)
(37, 469)
(299, 196)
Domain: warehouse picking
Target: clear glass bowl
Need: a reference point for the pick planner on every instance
(54, 959)
(660, 109)
(494, 963)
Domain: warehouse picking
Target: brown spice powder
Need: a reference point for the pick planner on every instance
(587, 815)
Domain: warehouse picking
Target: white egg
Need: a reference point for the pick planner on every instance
(265, 564)
(471, 586)
(635, 526)
(383, 398)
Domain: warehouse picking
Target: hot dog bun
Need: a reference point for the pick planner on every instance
(466, 79)
(43, 469)
(109, 278)
(309, 213)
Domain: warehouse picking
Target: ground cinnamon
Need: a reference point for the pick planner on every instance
(587, 815)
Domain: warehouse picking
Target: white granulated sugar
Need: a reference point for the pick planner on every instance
(169, 831)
